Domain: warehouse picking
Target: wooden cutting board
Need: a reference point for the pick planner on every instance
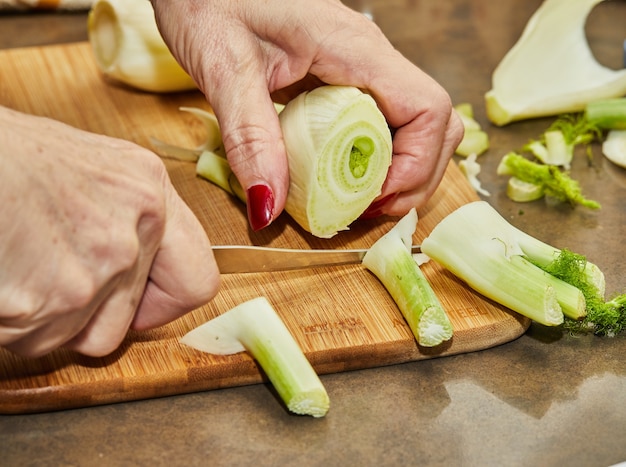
(342, 316)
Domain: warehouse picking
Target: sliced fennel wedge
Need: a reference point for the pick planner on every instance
(551, 69)
(523, 192)
(496, 259)
(390, 259)
(475, 140)
(128, 47)
(255, 327)
(339, 148)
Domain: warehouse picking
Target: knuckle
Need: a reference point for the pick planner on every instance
(456, 128)
(153, 204)
(20, 306)
(246, 144)
(81, 294)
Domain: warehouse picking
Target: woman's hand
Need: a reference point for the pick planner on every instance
(242, 53)
(94, 240)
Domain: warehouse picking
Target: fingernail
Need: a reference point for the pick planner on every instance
(375, 209)
(260, 206)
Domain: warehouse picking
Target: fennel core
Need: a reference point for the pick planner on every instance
(362, 150)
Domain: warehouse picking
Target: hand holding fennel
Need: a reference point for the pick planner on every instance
(319, 43)
(339, 150)
(323, 42)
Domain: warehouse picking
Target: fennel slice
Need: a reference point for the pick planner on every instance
(254, 326)
(522, 192)
(490, 260)
(390, 260)
(551, 69)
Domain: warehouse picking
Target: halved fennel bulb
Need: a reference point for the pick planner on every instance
(128, 47)
(339, 148)
(551, 69)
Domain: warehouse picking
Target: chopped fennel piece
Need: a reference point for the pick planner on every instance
(556, 150)
(213, 136)
(129, 49)
(390, 260)
(420, 258)
(523, 192)
(505, 264)
(171, 151)
(217, 168)
(255, 327)
(614, 147)
(466, 110)
(551, 69)
(607, 114)
(475, 140)
(537, 149)
(610, 114)
(471, 169)
(555, 183)
(556, 144)
(339, 149)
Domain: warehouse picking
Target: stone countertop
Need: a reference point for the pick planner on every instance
(544, 399)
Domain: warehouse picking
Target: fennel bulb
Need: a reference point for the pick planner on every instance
(339, 149)
(128, 47)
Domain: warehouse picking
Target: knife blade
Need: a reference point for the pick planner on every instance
(234, 259)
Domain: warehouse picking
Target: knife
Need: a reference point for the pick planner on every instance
(233, 259)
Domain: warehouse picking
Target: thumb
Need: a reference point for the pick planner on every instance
(254, 147)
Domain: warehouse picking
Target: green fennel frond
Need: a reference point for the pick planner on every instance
(605, 318)
(576, 128)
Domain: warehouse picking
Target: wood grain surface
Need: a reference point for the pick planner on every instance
(342, 316)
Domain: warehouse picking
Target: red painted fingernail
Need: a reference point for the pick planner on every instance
(375, 209)
(260, 206)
